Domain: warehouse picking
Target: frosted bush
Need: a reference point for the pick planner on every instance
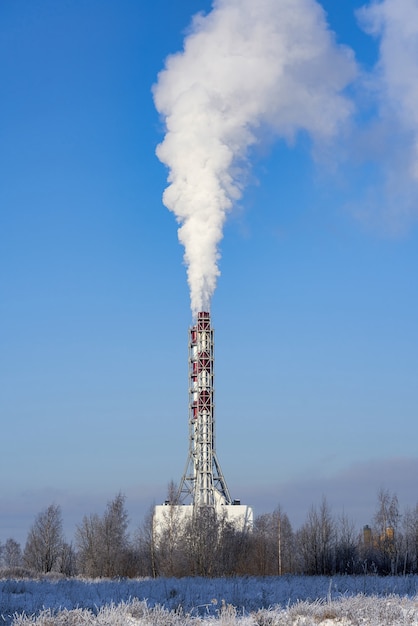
(135, 613)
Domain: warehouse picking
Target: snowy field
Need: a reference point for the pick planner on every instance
(288, 600)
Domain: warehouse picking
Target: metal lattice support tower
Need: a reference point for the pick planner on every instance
(202, 482)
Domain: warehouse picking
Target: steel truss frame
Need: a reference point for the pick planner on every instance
(202, 483)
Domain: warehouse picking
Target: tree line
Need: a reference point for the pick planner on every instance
(210, 545)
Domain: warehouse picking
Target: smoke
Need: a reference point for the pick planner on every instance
(247, 68)
(395, 22)
(394, 89)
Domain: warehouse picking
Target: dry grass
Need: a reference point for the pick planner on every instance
(354, 611)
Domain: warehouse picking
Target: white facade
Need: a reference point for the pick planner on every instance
(240, 515)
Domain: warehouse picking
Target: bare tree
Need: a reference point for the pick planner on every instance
(169, 533)
(262, 541)
(346, 552)
(145, 542)
(115, 539)
(87, 538)
(234, 550)
(316, 541)
(283, 541)
(45, 539)
(103, 544)
(272, 545)
(12, 553)
(386, 535)
(68, 560)
(410, 528)
(202, 542)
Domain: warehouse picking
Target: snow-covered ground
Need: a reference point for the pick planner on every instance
(290, 600)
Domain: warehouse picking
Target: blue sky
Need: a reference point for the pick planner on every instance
(314, 311)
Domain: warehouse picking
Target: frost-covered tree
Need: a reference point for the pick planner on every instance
(45, 540)
(12, 553)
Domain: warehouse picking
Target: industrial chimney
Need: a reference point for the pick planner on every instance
(202, 484)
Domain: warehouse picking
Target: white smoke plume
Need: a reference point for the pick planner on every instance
(247, 66)
(395, 23)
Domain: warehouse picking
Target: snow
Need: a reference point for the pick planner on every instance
(246, 601)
